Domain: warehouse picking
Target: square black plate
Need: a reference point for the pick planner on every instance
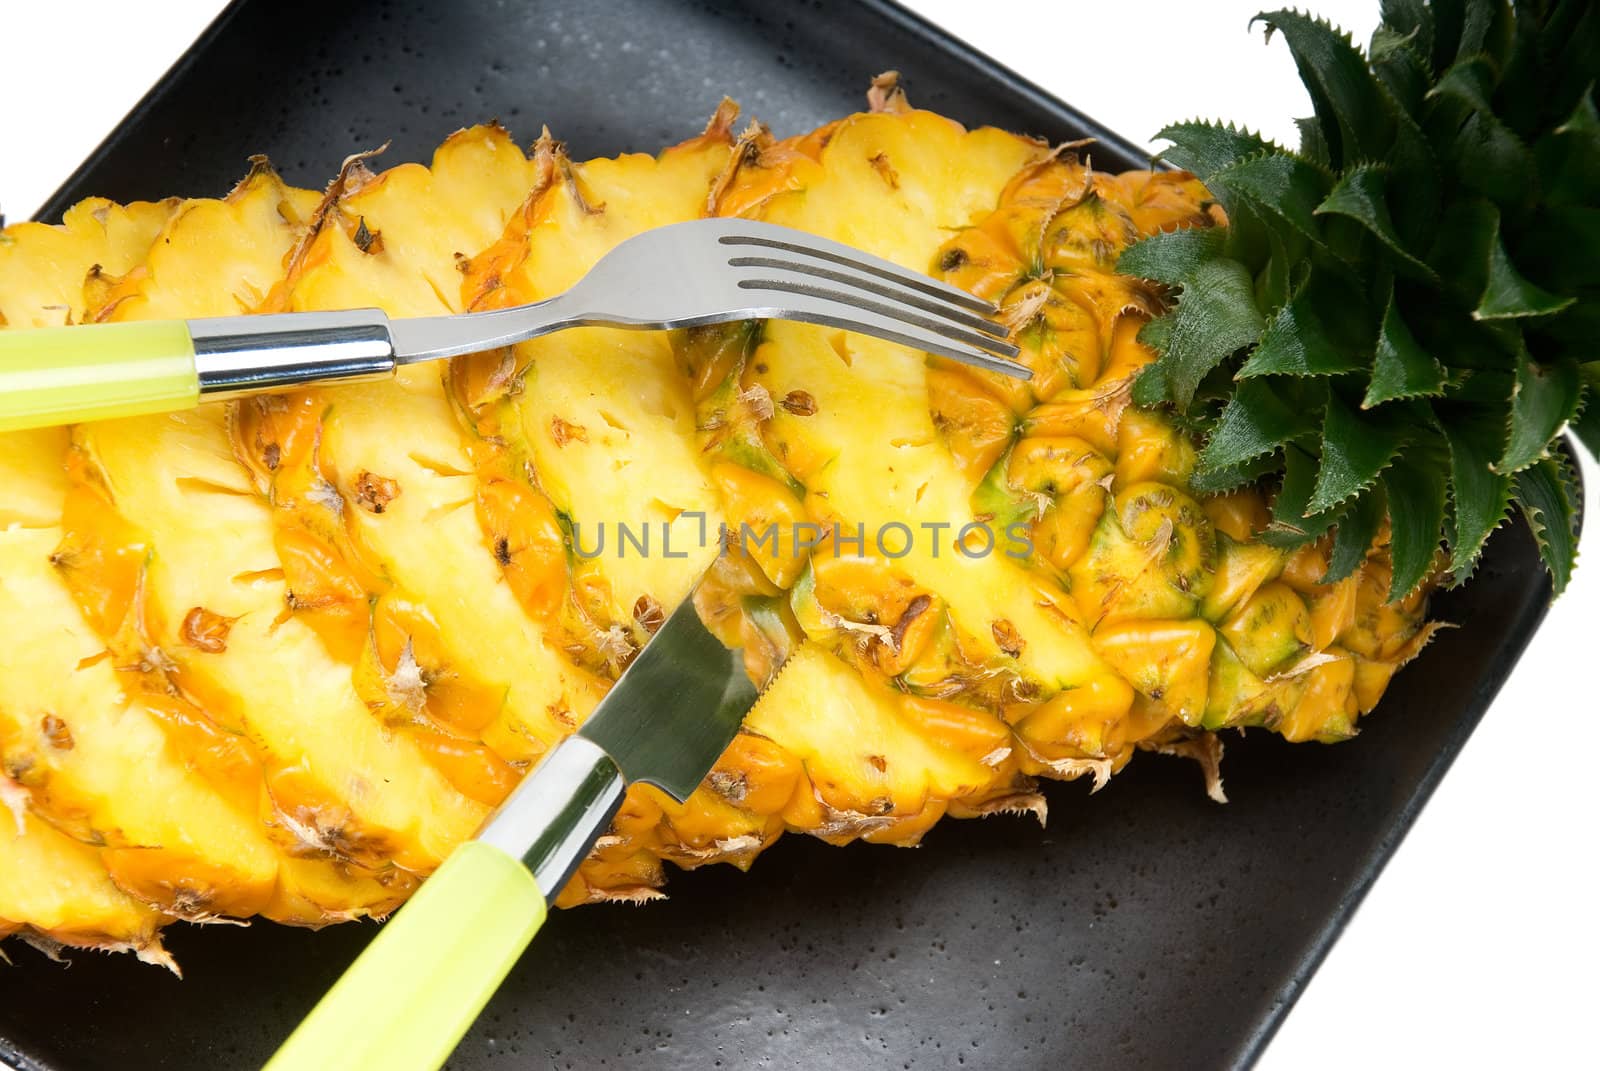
(1147, 927)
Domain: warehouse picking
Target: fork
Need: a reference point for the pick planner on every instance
(706, 271)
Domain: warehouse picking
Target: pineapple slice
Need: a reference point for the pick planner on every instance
(51, 274)
(56, 889)
(48, 277)
(336, 783)
(445, 655)
(68, 899)
(96, 765)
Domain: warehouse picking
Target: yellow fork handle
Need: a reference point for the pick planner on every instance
(408, 999)
(65, 375)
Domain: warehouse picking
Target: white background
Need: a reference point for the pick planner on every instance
(1479, 946)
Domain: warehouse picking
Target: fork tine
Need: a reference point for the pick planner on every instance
(809, 306)
(809, 245)
(933, 306)
(851, 300)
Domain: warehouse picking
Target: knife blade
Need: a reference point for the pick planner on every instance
(409, 998)
(675, 708)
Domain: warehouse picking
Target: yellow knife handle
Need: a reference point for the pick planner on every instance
(414, 991)
(63, 375)
(408, 999)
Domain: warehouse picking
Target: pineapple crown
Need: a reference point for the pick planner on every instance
(1402, 316)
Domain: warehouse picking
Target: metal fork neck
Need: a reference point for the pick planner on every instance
(240, 355)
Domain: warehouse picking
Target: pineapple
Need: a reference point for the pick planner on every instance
(337, 625)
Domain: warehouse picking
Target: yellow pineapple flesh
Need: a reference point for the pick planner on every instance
(340, 623)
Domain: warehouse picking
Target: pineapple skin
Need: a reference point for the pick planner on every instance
(426, 599)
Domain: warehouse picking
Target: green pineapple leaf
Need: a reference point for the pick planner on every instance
(1155, 333)
(1479, 496)
(1312, 145)
(1322, 331)
(1543, 496)
(1415, 490)
(1216, 317)
(1486, 27)
(1274, 281)
(1460, 252)
(1401, 367)
(1232, 477)
(1357, 123)
(1507, 295)
(1470, 82)
(1353, 536)
(1257, 420)
(1293, 524)
(1492, 160)
(1586, 425)
(1206, 147)
(1171, 257)
(1569, 156)
(1356, 446)
(1545, 397)
(1399, 318)
(1400, 67)
(1411, 20)
(1570, 46)
(1359, 196)
(1556, 248)
(1284, 185)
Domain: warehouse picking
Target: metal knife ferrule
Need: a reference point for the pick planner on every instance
(552, 818)
(240, 355)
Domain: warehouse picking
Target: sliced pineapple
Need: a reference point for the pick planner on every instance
(444, 655)
(336, 625)
(336, 782)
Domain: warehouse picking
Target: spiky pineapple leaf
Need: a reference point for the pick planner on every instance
(1356, 446)
(1460, 252)
(1469, 81)
(1356, 121)
(1353, 535)
(1172, 256)
(1486, 27)
(1492, 160)
(1207, 147)
(1275, 281)
(1556, 247)
(1293, 524)
(1284, 185)
(1411, 19)
(1415, 491)
(1257, 420)
(1542, 495)
(1233, 477)
(1401, 367)
(1479, 496)
(1400, 66)
(1320, 332)
(1216, 317)
(1507, 295)
(1447, 18)
(1156, 333)
(1359, 195)
(1312, 145)
(1570, 43)
(1545, 397)
(1569, 156)
(1586, 425)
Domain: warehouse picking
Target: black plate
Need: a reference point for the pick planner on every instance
(1147, 927)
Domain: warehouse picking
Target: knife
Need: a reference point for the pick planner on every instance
(411, 995)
